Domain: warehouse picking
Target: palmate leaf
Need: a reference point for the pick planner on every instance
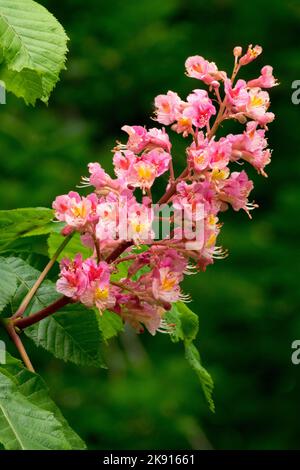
(8, 283)
(29, 419)
(72, 334)
(185, 326)
(33, 45)
(25, 222)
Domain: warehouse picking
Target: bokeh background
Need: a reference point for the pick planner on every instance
(122, 54)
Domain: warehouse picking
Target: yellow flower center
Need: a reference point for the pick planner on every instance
(199, 159)
(145, 173)
(219, 174)
(184, 121)
(256, 101)
(79, 211)
(101, 294)
(168, 282)
(211, 219)
(253, 53)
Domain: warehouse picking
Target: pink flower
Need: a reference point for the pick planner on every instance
(76, 211)
(166, 285)
(183, 125)
(141, 171)
(98, 177)
(265, 80)
(138, 138)
(209, 252)
(107, 226)
(167, 107)
(159, 138)
(96, 271)
(198, 155)
(200, 108)
(257, 106)
(73, 280)
(159, 158)
(98, 292)
(251, 54)
(195, 199)
(138, 313)
(123, 161)
(98, 295)
(236, 191)
(142, 174)
(102, 182)
(197, 67)
(140, 219)
(252, 147)
(219, 153)
(237, 96)
(86, 281)
(167, 274)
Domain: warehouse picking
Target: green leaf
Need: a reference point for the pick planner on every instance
(172, 318)
(71, 334)
(185, 326)
(110, 324)
(8, 283)
(185, 323)
(73, 247)
(188, 320)
(121, 271)
(33, 45)
(25, 222)
(29, 419)
(193, 358)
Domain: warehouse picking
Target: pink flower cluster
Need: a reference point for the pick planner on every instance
(131, 272)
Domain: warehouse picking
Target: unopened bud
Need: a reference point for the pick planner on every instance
(215, 84)
(237, 51)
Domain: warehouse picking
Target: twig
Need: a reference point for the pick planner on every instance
(36, 285)
(118, 251)
(41, 314)
(18, 343)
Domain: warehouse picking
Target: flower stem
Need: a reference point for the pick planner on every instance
(169, 193)
(18, 343)
(97, 248)
(125, 258)
(218, 120)
(122, 286)
(118, 251)
(41, 314)
(26, 301)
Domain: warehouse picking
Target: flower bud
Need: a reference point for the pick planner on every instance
(237, 51)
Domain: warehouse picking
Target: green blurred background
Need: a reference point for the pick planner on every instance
(122, 54)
